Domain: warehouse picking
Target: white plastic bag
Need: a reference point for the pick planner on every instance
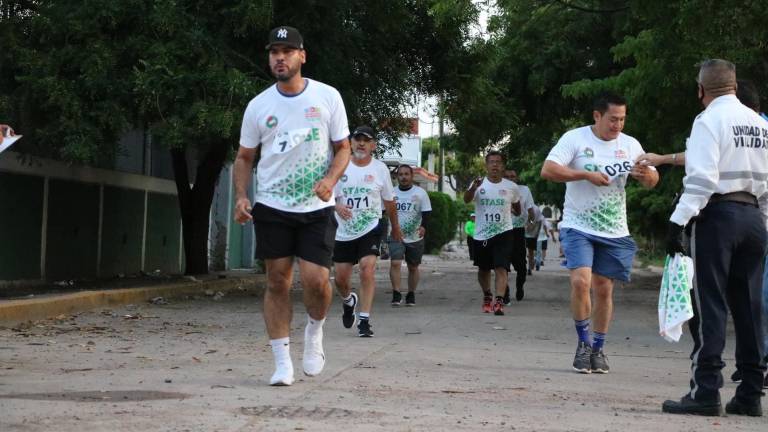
(675, 307)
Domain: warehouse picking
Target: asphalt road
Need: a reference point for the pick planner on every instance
(201, 364)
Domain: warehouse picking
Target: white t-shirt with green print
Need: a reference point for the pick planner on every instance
(493, 208)
(526, 202)
(362, 190)
(596, 210)
(410, 203)
(295, 134)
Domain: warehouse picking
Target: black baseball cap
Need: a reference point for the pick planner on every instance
(364, 130)
(285, 35)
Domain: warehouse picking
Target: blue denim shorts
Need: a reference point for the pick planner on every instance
(609, 257)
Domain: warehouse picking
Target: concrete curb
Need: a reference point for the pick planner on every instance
(13, 312)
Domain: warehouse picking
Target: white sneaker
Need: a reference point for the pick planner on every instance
(314, 357)
(283, 375)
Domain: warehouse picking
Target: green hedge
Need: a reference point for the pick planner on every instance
(443, 221)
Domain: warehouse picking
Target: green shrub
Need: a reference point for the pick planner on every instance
(464, 209)
(441, 227)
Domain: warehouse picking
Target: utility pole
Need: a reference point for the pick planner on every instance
(440, 143)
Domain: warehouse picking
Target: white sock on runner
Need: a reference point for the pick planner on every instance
(283, 365)
(349, 300)
(314, 327)
(314, 356)
(365, 315)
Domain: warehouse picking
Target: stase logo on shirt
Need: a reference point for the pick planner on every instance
(271, 121)
(588, 152)
(343, 178)
(312, 113)
(482, 191)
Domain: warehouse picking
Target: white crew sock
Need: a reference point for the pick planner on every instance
(314, 356)
(364, 315)
(350, 300)
(314, 328)
(283, 365)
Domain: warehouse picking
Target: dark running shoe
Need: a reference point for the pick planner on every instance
(519, 292)
(686, 405)
(410, 299)
(498, 306)
(737, 407)
(364, 328)
(582, 362)
(599, 362)
(397, 298)
(348, 317)
(507, 300)
(736, 377)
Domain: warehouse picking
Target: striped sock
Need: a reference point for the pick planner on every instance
(364, 315)
(349, 300)
(582, 329)
(599, 341)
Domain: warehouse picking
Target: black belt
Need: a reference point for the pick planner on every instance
(739, 197)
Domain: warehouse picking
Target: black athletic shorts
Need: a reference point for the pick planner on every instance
(530, 243)
(309, 236)
(494, 252)
(354, 250)
(543, 245)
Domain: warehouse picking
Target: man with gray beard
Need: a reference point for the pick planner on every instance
(365, 186)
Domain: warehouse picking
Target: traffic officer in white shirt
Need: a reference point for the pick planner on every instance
(724, 206)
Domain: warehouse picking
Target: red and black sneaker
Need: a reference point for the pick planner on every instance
(487, 308)
(498, 306)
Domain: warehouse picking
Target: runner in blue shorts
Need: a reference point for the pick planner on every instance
(595, 162)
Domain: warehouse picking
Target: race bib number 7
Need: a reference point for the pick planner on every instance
(288, 140)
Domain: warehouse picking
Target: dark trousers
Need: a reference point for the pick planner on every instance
(471, 247)
(518, 255)
(727, 247)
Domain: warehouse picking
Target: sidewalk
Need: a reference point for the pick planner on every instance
(49, 305)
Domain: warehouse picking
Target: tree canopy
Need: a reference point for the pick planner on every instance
(535, 76)
(78, 74)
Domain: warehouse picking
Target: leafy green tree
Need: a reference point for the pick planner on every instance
(78, 74)
(461, 166)
(545, 60)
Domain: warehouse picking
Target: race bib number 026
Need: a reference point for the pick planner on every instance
(612, 168)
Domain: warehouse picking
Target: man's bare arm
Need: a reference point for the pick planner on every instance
(324, 188)
(243, 174)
